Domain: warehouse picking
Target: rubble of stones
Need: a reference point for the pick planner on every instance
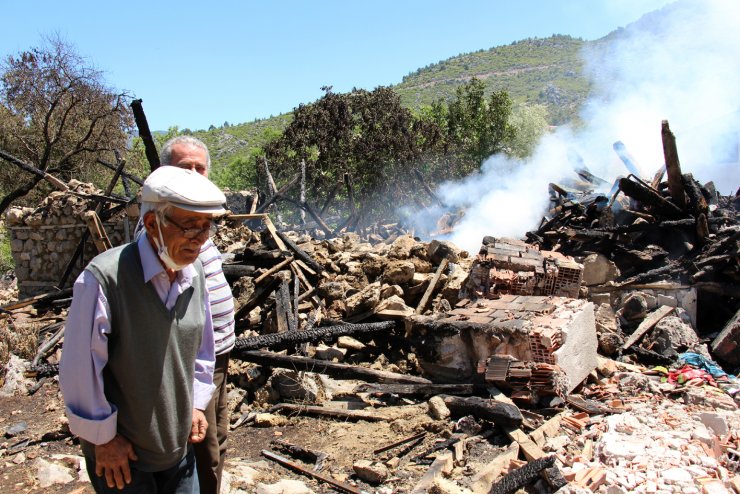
(430, 369)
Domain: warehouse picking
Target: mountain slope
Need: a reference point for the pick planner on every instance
(533, 71)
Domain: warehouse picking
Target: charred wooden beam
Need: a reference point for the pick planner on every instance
(283, 310)
(125, 175)
(515, 480)
(649, 197)
(500, 413)
(38, 300)
(317, 218)
(300, 453)
(417, 389)
(400, 442)
(236, 271)
(626, 158)
(336, 370)
(33, 170)
(150, 148)
(301, 409)
(259, 297)
(554, 478)
(687, 223)
(673, 166)
(279, 193)
(330, 198)
(342, 486)
(281, 340)
(648, 275)
(300, 253)
(697, 204)
(423, 457)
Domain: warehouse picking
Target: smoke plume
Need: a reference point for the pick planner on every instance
(681, 64)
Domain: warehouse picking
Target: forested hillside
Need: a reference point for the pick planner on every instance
(545, 71)
(533, 71)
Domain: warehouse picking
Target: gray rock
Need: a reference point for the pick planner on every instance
(438, 250)
(437, 408)
(49, 473)
(372, 473)
(15, 429)
(284, 486)
(597, 270)
(399, 272)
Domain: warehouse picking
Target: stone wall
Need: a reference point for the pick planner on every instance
(44, 239)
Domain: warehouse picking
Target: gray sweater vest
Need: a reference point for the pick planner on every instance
(152, 351)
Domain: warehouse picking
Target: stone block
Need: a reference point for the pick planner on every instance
(597, 270)
(716, 422)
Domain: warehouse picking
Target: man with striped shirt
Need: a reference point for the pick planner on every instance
(192, 154)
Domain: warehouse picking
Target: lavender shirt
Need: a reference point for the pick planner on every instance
(85, 353)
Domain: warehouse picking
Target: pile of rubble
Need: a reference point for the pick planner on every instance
(569, 363)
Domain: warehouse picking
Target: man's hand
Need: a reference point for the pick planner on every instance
(111, 461)
(198, 429)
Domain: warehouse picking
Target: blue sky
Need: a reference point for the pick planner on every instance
(195, 64)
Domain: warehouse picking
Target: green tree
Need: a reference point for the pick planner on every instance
(57, 114)
(476, 126)
(365, 133)
(528, 124)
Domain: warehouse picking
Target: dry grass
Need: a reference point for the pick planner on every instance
(18, 339)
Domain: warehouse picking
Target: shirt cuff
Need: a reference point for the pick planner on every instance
(202, 394)
(93, 431)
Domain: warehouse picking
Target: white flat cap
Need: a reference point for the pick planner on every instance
(184, 189)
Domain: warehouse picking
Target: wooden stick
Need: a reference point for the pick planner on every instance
(399, 443)
(95, 226)
(673, 166)
(647, 324)
(273, 231)
(432, 285)
(273, 270)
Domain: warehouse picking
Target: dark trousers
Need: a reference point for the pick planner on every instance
(210, 453)
(180, 479)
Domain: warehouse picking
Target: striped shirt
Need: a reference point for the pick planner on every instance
(222, 301)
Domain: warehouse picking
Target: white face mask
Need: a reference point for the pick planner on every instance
(163, 252)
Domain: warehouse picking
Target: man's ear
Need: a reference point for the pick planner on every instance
(150, 223)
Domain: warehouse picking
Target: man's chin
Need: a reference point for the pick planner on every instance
(186, 259)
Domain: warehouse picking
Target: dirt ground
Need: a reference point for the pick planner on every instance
(344, 442)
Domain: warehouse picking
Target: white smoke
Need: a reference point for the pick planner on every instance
(681, 64)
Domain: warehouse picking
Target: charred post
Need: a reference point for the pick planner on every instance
(150, 148)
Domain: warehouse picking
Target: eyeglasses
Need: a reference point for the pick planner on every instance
(191, 233)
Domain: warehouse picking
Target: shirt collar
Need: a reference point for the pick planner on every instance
(152, 267)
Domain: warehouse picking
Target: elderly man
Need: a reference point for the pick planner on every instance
(137, 365)
(191, 154)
